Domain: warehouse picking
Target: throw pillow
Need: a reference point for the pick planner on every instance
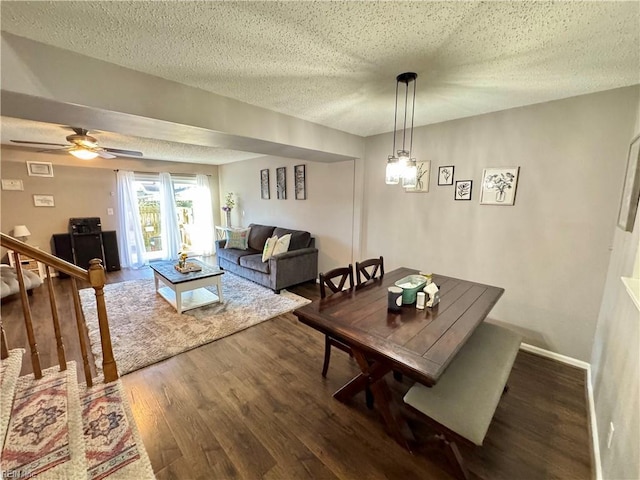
(238, 239)
(269, 245)
(282, 244)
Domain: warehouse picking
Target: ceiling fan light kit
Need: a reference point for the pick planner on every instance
(83, 146)
(83, 154)
(403, 166)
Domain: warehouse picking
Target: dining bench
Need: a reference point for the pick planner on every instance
(461, 405)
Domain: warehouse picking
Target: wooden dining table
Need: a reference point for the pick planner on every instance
(417, 343)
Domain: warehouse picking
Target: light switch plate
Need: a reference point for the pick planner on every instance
(10, 184)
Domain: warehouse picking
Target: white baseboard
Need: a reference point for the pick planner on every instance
(590, 402)
(555, 356)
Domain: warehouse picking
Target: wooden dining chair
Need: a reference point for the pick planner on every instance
(369, 269)
(335, 280)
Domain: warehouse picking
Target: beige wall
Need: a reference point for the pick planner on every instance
(327, 213)
(80, 189)
(615, 360)
(550, 250)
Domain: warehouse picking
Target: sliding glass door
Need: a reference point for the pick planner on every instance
(149, 206)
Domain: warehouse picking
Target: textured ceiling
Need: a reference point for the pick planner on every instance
(334, 63)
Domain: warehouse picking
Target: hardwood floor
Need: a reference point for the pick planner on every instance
(254, 405)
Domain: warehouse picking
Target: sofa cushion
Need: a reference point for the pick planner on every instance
(254, 262)
(269, 245)
(258, 235)
(238, 238)
(282, 244)
(233, 255)
(299, 239)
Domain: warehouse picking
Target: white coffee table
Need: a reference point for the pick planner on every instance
(186, 291)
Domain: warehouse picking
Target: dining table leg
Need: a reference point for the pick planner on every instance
(372, 375)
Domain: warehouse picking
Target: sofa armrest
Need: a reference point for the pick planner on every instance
(291, 268)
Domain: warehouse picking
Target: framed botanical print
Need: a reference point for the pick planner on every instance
(463, 190)
(422, 178)
(265, 194)
(445, 175)
(300, 182)
(281, 183)
(499, 185)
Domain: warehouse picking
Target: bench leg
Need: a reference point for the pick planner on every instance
(327, 355)
(455, 459)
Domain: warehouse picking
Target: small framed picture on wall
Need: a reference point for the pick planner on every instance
(445, 175)
(40, 169)
(463, 190)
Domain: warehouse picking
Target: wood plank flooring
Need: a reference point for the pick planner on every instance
(254, 405)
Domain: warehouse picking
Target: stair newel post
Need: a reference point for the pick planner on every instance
(82, 332)
(97, 279)
(4, 349)
(26, 310)
(56, 322)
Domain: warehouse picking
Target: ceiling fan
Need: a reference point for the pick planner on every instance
(84, 146)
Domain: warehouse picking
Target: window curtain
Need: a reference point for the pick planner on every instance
(171, 244)
(130, 241)
(203, 217)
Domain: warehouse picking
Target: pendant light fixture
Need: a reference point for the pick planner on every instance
(403, 166)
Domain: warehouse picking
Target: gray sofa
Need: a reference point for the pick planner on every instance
(299, 264)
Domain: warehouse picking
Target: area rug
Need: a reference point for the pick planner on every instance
(146, 329)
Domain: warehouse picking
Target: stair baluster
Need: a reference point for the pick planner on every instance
(26, 311)
(82, 332)
(4, 350)
(56, 322)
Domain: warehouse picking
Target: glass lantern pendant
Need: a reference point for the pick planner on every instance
(410, 174)
(392, 176)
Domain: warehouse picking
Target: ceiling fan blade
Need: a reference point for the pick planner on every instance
(133, 153)
(39, 143)
(49, 150)
(103, 154)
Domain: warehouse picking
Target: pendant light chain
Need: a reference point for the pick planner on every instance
(395, 124)
(413, 111)
(404, 125)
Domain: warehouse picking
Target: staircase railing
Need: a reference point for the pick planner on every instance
(96, 278)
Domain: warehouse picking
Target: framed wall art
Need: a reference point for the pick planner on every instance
(43, 201)
(300, 182)
(423, 175)
(463, 190)
(281, 183)
(631, 189)
(12, 184)
(265, 193)
(445, 175)
(499, 185)
(40, 169)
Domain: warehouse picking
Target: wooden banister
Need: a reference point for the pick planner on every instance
(96, 278)
(43, 257)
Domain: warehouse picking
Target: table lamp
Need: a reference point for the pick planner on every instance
(21, 232)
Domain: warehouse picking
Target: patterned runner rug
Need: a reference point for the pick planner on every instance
(45, 431)
(114, 447)
(9, 371)
(145, 329)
